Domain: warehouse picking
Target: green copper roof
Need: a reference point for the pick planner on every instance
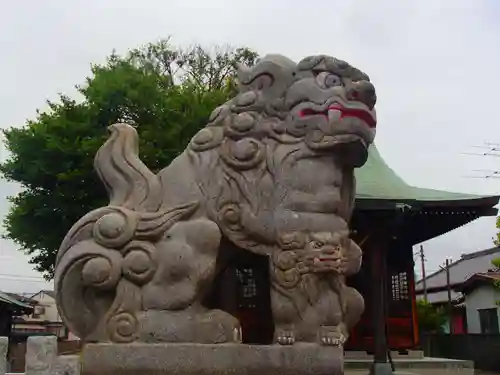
(377, 181)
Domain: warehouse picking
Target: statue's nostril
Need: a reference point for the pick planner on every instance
(363, 92)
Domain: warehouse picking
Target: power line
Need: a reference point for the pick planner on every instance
(24, 281)
(19, 275)
(492, 150)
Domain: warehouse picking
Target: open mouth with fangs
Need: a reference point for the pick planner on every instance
(363, 115)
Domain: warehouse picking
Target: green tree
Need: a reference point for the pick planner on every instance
(167, 92)
(496, 264)
(431, 319)
(496, 268)
(496, 239)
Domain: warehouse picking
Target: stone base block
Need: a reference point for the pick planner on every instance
(208, 359)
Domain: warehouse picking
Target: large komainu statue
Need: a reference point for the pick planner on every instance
(272, 172)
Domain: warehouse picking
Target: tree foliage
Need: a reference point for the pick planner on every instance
(496, 239)
(431, 319)
(496, 268)
(167, 92)
(496, 264)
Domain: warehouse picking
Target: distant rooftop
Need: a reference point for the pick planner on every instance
(477, 280)
(21, 298)
(8, 299)
(468, 266)
(464, 258)
(50, 293)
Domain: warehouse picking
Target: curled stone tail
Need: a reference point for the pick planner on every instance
(130, 184)
(110, 253)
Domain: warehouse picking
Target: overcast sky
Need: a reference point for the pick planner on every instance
(435, 65)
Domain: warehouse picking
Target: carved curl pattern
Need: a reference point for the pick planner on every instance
(140, 262)
(288, 279)
(230, 216)
(292, 240)
(241, 125)
(244, 154)
(112, 248)
(123, 327)
(218, 114)
(285, 260)
(115, 229)
(323, 63)
(285, 272)
(206, 139)
(121, 323)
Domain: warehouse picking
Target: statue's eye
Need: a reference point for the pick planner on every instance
(317, 244)
(328, 80)
(332, 80)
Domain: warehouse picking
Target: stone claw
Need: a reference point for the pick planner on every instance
(332, 338)
(237, 334)
(285, 337)
(330, 341)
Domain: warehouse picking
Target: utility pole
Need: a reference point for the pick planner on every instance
(448, 288)
(422, 262)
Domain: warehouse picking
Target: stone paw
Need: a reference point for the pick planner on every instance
(332, 339)
(285, 338)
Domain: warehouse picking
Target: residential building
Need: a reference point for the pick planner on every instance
(44, 319)
(10, 308)
(481, 296)
(459, 271)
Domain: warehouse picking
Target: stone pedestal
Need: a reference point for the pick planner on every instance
(42, 358)
(204, 359)
(4, 347)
